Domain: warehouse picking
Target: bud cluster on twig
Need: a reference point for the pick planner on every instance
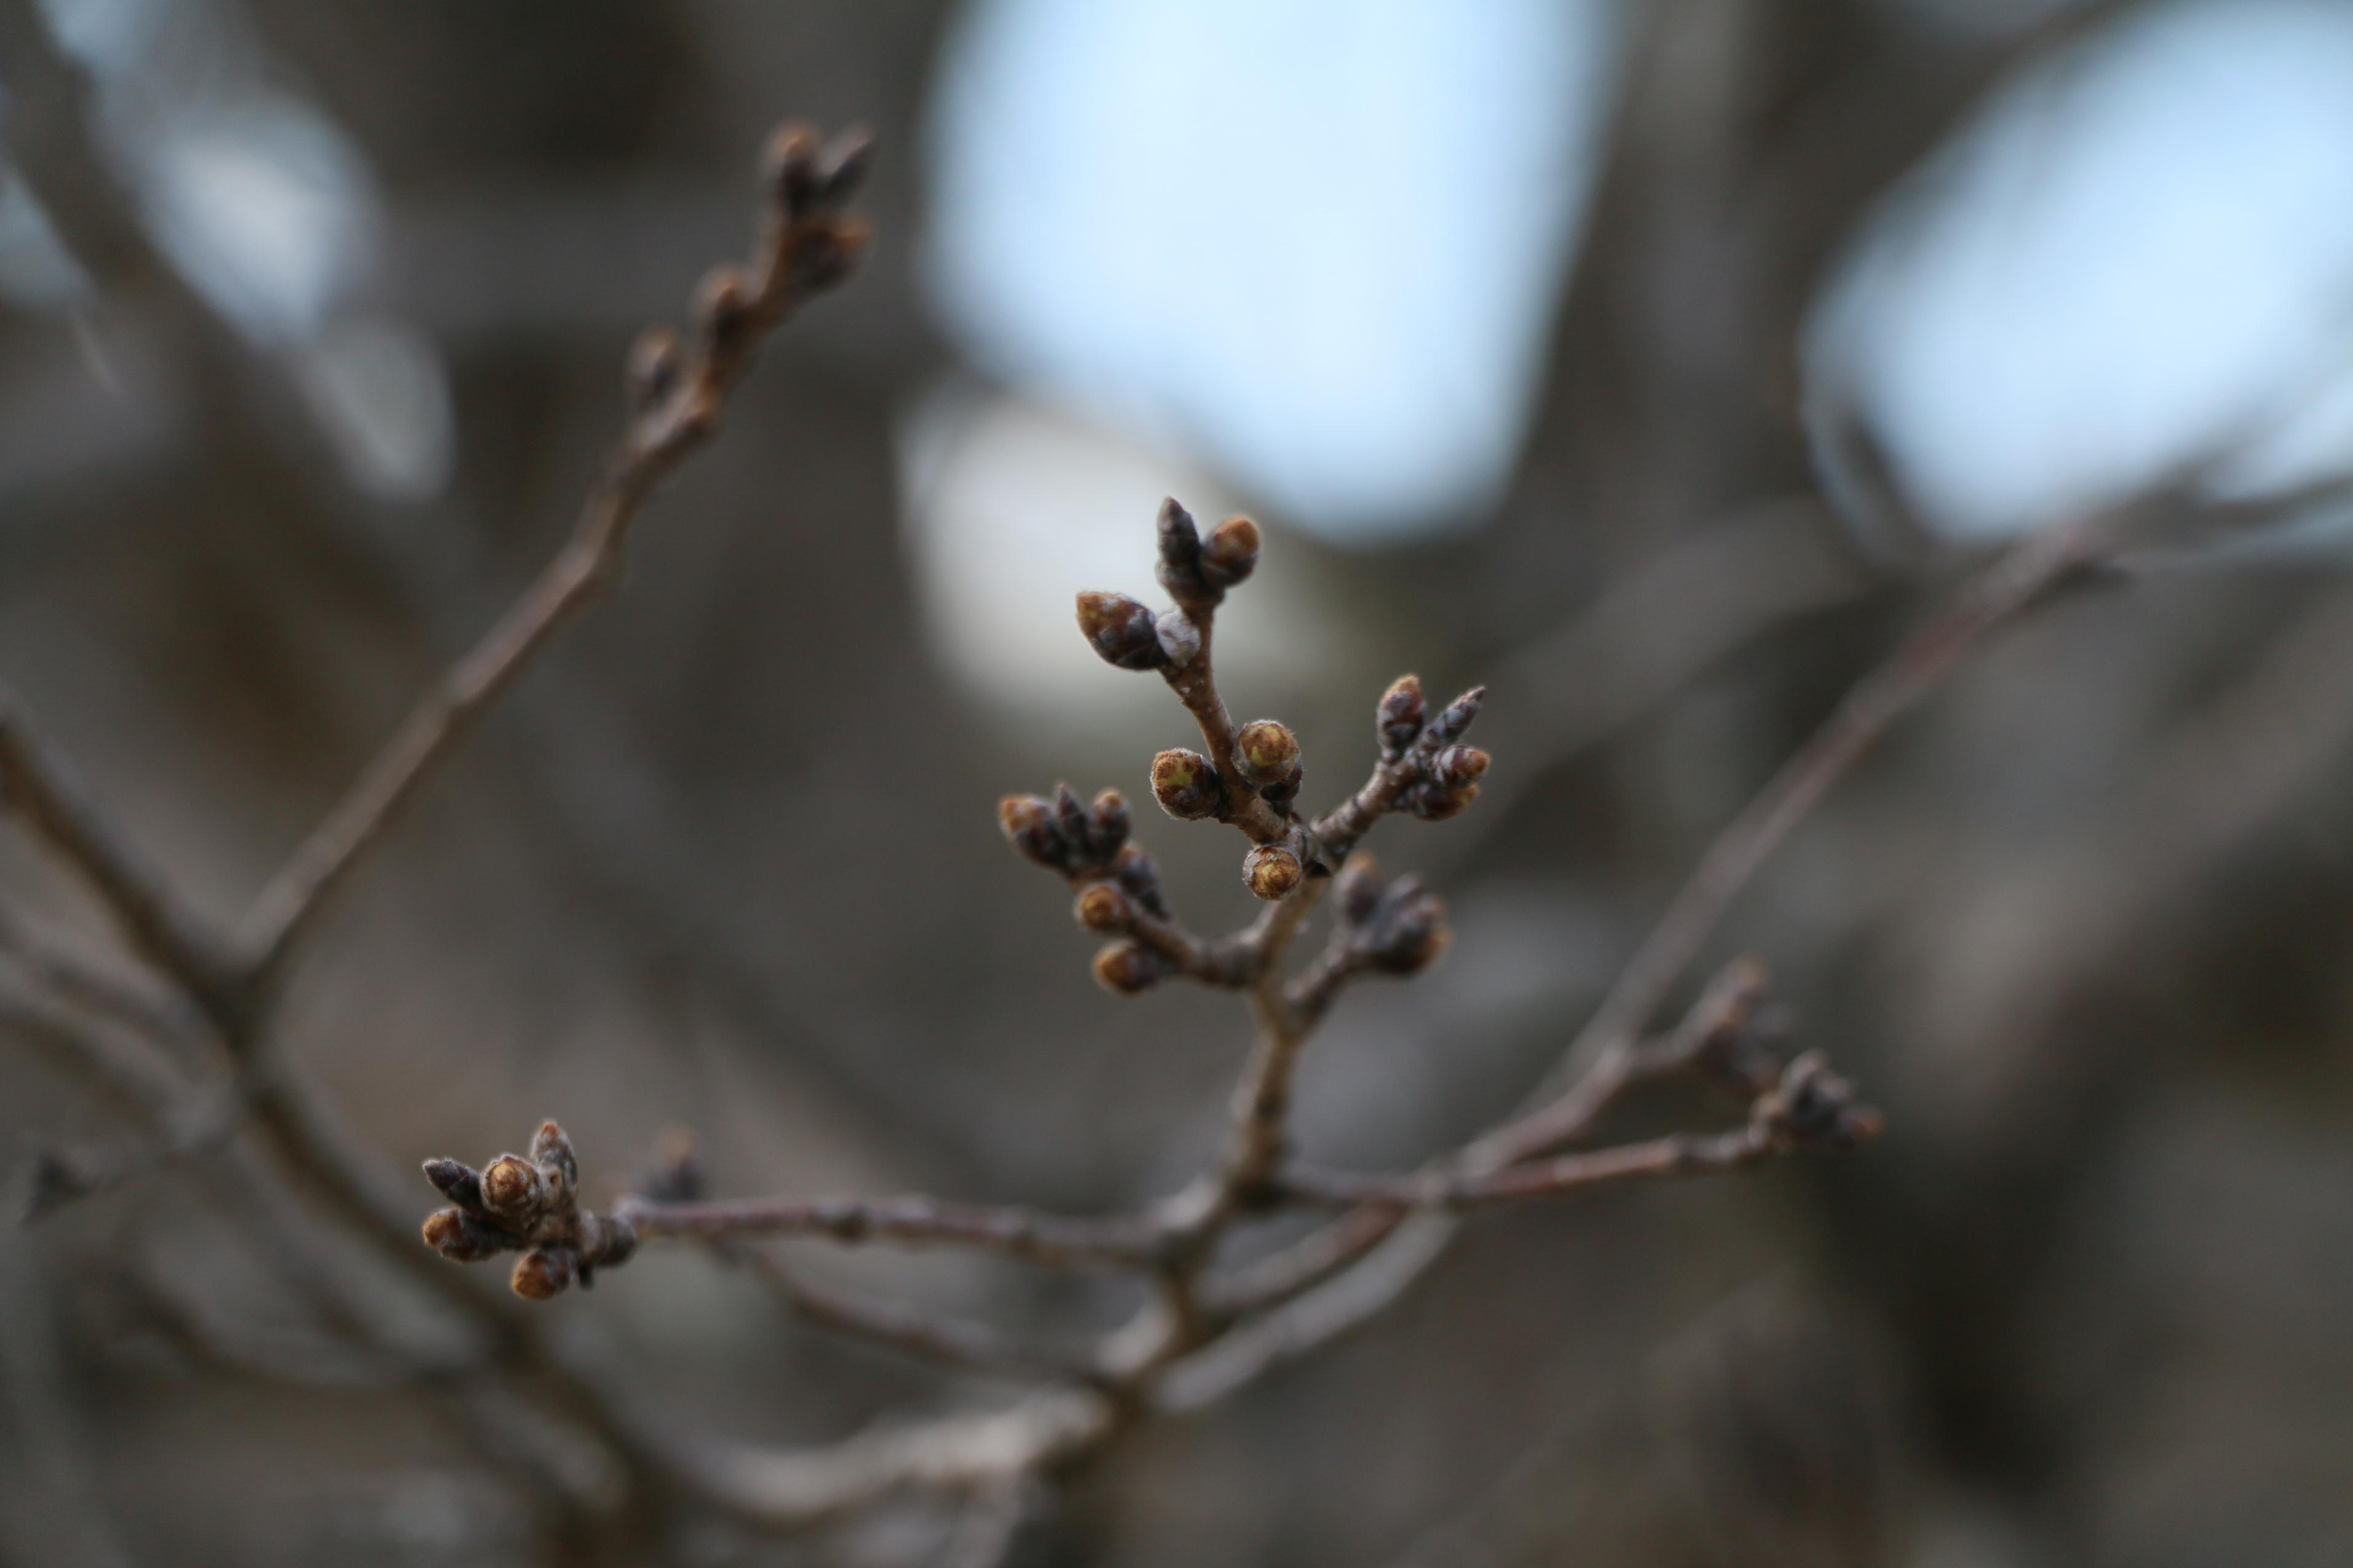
(1396, 928)
(530, 1205)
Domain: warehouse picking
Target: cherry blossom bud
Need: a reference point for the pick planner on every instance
(1416, 934)
(513, 1188)
(1266, 751)
(1101, 908)
(1185, 784)
(723, 303)
(1357, 889)
(1029, 825)
(1180, 553)
(1449, 725)
(1108, 824)
(1229, 554)
(1120, 631)
(1127, 968)
(1459, 765)
(542, 1273)
(790, 164)
(1400, 715)
(1272, 871)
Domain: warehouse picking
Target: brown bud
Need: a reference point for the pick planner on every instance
(1400, 715)
(1185, 784)
(461, 1237)
(723, 302)
(542, 1273)
(1101, 908)
(1071, 821)
(458, 1181)
(1229, 552)
(1029, 825)
(827, 250)
(1180, 553)
(654, 361)
(1459, 765)
(841, 167)
(790, 164)
(1127, 968)
(513, 1186)
(1120, 631)
(1139, 874)
(550, 1150)
(1449, 725)
(1109, 824)
(1272, 871)
(1266, 751)
(1436, 802)
(1417, 935)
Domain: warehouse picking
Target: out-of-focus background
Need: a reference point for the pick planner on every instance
(1654, 363)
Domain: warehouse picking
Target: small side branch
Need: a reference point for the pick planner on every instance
(807, 245)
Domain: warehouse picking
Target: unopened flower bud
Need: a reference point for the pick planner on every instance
(1127, 968)
(1266, 751)
(723, 302)
(1139, 874)
(513, 1186)
(1272, 871)
(653, 366)
(542, 1272)
(1029, 825)
(1120, 631)
(1459, 765)
(1070, 820)
(550, 1150)
(1229, 552)
(1400, 715)
(841, 167)
(1102, 909)
(1180, 553)
(789, 162)
(1185, 784)
(827, 250)
(458, 1181)
(1436, 802)
(1417, 935)
(461, 1238)
(1359, 888)
(1108, 824)
(1449, 725)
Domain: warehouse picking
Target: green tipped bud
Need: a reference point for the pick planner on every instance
(1266, 751)
(1120, 631)
(1272, 871)
(1185, 784)
(1229, 554)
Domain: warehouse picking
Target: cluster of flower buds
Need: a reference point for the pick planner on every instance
(1396, 928)
(1447, 773)
(1116, 878)
(811, 244)
(527, 1205)
(1813, 1105)
(1197, 573)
